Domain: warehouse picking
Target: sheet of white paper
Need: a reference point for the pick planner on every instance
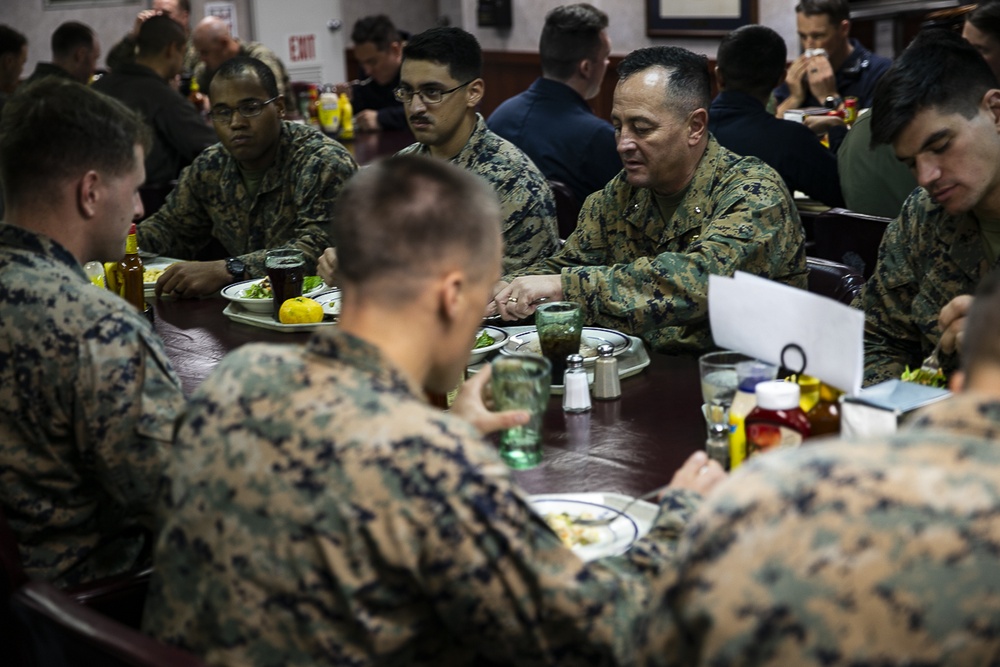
(759, 317)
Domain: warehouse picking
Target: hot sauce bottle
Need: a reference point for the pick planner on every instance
(777, 421)
(130, 284)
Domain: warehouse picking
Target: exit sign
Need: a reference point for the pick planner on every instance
(302, 48)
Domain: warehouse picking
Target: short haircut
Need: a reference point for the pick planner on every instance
(69, 37)
(986, 18)
(571, 33)
(241, 66)
(397, 219)
(752, 59)
(688, 86)
(378, 30)
(837, 10)
(981, 341)
(157, 33)
(938, 70)
(55, 128)
(453, 47)
(11, 41)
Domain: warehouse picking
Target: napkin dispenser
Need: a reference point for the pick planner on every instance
(878, 410)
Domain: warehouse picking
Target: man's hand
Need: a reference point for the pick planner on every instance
(951, 320)
(193, 279)
(697, 474)
(523, 296)
(820, 78)
(326, 267)
(141, 18)
(491, 307)
(820, 125)
(367, 120)
(795, 80)
(474, 401)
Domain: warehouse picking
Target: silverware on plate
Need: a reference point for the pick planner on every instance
(605, 520)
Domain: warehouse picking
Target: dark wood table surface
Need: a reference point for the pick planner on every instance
(630, 445)
(366, 147)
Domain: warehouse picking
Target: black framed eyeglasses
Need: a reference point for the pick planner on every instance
(248, 109)
(429, 95)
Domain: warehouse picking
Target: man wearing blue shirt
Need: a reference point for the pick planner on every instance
(551, 121)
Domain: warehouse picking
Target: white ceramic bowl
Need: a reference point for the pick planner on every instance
(499, 337)
(235, 292)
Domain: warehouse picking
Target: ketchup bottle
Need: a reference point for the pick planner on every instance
(777, 421)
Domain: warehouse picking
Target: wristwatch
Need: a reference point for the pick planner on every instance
(236, 267)
(833, 102)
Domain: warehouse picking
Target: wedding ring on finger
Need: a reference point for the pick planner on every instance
(512, 299)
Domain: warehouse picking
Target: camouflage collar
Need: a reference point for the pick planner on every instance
(24, 240)
(967, 414)
(332, 343)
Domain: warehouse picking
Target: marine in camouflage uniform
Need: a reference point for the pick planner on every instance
(322, 512)
(528, 207)
(293, 206)
(877, 553)
(635, 272)
(926, 259)
(88, 401)
(263, 54)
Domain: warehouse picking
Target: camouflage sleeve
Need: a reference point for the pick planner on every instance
(319, 178)
(528, 209)
(892, 338)
(128, 406)
(183, 225)
(664, 297)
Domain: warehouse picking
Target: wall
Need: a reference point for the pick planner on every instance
(411, 15)
(627, 25)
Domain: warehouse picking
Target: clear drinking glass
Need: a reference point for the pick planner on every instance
(718, 386)
(521, 382)
(286, 269)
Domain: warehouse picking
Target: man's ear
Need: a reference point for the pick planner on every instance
(991, 100)
(476, 90)
(957, 382)
(697, 126)
(87, 193)
(451, 294)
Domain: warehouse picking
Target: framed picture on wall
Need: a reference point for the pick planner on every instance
(705, 18)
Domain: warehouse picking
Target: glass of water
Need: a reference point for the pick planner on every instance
(521, 382)
(718, 386)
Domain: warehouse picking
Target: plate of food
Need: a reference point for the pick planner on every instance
(330, 302)
(590, 338)
(256, 295)
(487, 340)
(152, 269)
(562, 512)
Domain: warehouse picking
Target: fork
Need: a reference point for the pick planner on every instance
(932, 364)
(605, 520)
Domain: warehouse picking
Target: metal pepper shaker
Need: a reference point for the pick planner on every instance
(576, 387)
(607, 386)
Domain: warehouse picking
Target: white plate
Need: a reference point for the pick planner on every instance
(590, 337)
(614, 538)
(330, 302)
(157, 263)
(499, 337)
(235, 291)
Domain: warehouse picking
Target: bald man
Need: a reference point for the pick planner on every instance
(215, 45)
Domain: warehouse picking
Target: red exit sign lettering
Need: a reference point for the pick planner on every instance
(302, 48)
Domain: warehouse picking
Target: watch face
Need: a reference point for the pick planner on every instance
(235, 267)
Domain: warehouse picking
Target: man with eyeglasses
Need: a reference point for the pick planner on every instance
(269, 183)
(440, 87)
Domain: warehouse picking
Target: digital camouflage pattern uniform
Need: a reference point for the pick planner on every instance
(635, 272)
(323, 513)
(527, 205)
(926, 259)
(261, 53)
(88, 401)
(872, 553)
(293, 207)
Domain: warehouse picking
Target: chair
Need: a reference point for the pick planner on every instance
(60, 631)
(567, 208)
(834, 280)
(850, 238)
(121, 597)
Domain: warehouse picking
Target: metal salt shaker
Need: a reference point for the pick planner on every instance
(607, 386)
(576, 388)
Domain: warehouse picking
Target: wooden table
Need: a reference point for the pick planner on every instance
(630, 445)
(366, 147)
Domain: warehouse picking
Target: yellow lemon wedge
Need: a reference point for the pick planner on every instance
(300, 310)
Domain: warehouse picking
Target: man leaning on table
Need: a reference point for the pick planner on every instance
(268, 183)
(855, 553)
(321, 511)
(939, 107)
(684, 207)
(88, 398)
